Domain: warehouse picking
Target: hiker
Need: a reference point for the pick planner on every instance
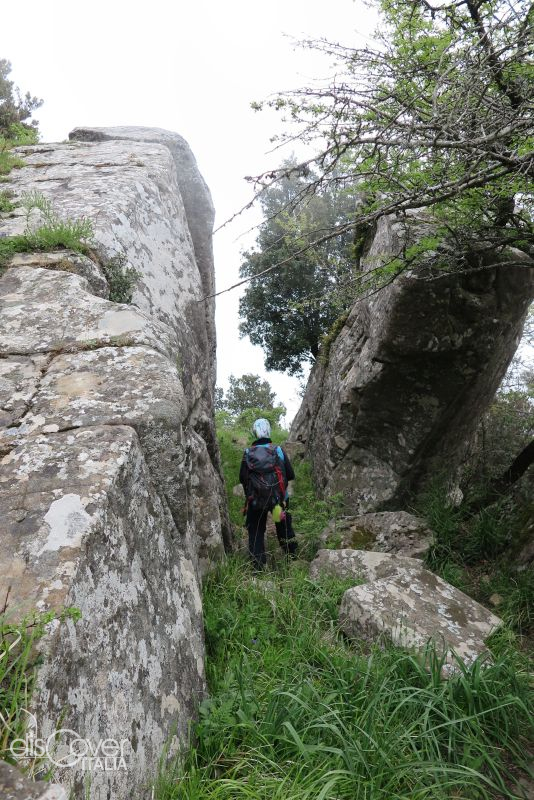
(264, 474)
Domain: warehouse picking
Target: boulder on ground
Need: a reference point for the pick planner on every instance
(412, 610)
(386, 531)
(363, 565)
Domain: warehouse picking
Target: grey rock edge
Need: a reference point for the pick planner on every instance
(14, 786)
(111, 499)
(409, 375)
(407, 604)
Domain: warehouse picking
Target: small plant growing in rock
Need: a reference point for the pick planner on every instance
(121, 279)
(6, 204)
(74, 234)
(54, 232)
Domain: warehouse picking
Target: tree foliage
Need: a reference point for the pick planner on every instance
(436, 117)
(15, 109)
(248, 391)
(289, 311)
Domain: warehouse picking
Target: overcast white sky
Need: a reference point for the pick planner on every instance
(189, 67)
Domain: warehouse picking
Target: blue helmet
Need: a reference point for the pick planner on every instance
(262, 429)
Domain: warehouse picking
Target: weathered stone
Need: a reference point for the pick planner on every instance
(110, 494)
(295, 450)
(96, 536)
(16, 786)
(129, 189)
(66, 261)
(386, 531)
(197, 201)
(80, 390)
(208, 503)
(19, 377)
(409, 375)
(363, 565)
(411, 610)
(66, 316)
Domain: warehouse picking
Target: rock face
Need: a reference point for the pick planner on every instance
(407, 604)
(408, 377)
(111, 499)
(386, 531)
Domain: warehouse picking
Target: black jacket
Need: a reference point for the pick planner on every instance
(243, 471)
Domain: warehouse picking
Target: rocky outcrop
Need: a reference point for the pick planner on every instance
(386, 531)
(398, 395)
(111, 500)
(408, 605)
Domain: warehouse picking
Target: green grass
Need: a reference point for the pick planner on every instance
(6, 204)
(296, 712)
(472, 551)
(19, 660)
(53, 233)
(19, 135)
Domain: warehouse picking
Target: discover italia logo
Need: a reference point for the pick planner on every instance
(65, 748)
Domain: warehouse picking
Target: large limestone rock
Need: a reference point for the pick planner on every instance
(409, 375)
(111, 499)
(386, 531)
(84, 527)
(411, 609)
(197, 203)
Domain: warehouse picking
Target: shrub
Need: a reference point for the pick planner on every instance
(471, 551)
(121, 279)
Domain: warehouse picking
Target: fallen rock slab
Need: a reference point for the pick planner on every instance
(363, 565)
(386, 531)
(411, 610)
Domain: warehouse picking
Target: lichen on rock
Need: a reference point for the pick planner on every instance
(111, 498)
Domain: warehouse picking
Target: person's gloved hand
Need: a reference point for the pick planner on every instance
(289, 489)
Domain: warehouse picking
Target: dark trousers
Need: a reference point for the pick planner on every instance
(256, 523)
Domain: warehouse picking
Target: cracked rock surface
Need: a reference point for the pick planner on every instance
(111, 498)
